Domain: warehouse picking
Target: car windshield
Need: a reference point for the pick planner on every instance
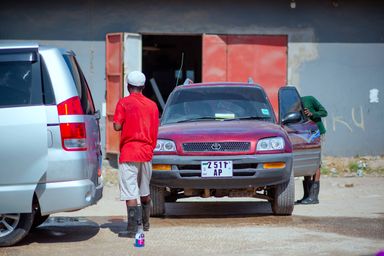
(221, 103)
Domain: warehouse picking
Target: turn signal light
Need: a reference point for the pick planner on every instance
(161, 167)
(276, 165)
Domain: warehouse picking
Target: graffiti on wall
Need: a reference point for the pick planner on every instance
(357, 122)
(357, 115)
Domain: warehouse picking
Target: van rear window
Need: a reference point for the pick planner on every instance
(81, 85)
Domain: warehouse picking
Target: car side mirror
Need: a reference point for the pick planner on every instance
(291, 117)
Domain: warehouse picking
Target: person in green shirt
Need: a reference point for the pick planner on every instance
(311, 184)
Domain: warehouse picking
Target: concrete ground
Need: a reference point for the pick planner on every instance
(348, 221)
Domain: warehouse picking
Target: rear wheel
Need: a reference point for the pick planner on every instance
(14, 227)
(158, 202)
(283, 197)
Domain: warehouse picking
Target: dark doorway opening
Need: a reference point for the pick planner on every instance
(169, 60)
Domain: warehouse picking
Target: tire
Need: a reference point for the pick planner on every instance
(21, 223)
(158, 202)
(284, 197)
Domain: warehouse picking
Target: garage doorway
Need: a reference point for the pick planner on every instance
(169, 60)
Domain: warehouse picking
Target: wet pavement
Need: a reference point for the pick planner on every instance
(350, 222)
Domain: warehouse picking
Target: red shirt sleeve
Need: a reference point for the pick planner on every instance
(119, 116)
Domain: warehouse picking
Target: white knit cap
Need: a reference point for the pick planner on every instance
(136, 78)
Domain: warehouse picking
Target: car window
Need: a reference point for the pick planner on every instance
(20, 80)
(48, 95)
(81, 85)
(217, 103)
(290, 102)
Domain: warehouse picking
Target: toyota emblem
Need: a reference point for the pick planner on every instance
(216, 146)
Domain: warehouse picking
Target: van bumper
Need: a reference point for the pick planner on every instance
(67, 196)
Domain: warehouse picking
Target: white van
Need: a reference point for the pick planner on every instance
(50, 153)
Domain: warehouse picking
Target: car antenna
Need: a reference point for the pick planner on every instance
(181, 67)
(250, 80)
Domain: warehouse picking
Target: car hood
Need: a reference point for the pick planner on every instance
(221, 131)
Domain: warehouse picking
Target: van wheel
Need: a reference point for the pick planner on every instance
(284, 197)
(158, 202)
(14, 227)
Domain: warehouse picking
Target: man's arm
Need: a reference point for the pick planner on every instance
(155, 128)
(320, 110)
(118, 118)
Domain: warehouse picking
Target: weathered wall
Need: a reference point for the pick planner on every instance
(344, 78)
(334, 53)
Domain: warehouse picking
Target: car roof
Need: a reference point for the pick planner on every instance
(214, 84)
(18, 45)
(32, 45)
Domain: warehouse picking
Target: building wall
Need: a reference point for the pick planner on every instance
(334, 53)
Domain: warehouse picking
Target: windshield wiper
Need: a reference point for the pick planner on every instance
(249, 118)
(197, 119)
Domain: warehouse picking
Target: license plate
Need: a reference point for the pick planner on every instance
(216, 169)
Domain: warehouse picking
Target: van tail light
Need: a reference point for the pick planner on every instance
(73, 135)
(71, 106)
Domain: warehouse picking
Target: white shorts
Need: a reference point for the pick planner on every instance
(134, 180)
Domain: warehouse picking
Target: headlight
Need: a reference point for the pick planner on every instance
(276, 143)
(165, 146)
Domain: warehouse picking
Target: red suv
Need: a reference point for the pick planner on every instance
(223, 139)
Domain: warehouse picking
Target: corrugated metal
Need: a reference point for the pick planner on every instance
(114, 86)
(238, 57)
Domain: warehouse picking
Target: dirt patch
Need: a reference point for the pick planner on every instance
(353, 166)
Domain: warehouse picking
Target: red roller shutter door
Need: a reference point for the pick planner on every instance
(235, 58)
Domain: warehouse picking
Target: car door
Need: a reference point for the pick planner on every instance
(303, 133)
(23, 128)
(92, 117)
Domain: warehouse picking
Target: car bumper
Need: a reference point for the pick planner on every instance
(67, 196)
(248, 171)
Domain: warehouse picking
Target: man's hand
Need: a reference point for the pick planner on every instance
(307, 112)
(117, 127)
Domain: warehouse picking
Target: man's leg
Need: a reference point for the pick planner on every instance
(144, 181)
(129, 192)
(306, 187)
(314, 190)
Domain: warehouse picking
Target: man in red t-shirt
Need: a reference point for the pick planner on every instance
(137, 117)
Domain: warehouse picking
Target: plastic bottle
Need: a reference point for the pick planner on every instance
(139, 239)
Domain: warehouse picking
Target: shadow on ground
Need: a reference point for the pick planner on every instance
(63, 230)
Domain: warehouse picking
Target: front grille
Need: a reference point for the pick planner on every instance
(217, 147)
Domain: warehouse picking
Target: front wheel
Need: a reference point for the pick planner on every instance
(14, 227)
(283, 197)
(158, 201)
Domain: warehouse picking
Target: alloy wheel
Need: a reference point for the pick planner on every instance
(8, 223)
